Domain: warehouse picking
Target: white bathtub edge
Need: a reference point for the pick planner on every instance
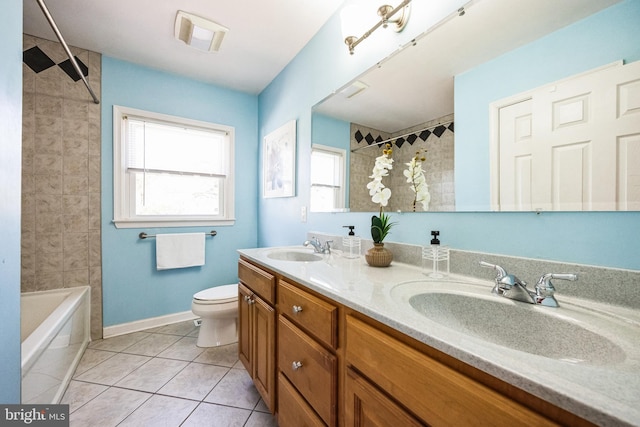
(151, 322)
(40, 338)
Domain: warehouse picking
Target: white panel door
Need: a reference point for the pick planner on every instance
(583, 152)
(515, 157)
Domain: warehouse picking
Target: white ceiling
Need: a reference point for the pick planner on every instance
(264, 35)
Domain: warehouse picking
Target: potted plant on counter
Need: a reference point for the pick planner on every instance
(381, 224)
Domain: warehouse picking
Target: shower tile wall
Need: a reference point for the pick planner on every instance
(61, 173)
(438, 166)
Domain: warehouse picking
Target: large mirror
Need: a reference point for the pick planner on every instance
(408, 99)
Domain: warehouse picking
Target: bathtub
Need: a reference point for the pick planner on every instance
(55, 331)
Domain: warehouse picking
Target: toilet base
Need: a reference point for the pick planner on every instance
(217, 332)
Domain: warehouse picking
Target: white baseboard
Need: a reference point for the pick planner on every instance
(152, 322)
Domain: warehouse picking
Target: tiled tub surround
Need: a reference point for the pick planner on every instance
(61, 173)
(438, 165)
(604, 395)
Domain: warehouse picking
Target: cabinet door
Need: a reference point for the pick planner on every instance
(365, 406)
(244, 328)
(264, 354)
(294, 410)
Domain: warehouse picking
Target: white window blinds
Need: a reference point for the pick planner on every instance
(154, 146)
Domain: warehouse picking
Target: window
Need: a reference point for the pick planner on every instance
(171, 171)
(327, 179)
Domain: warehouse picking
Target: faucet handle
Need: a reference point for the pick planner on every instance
(500, 272)
(544, 283)
(545, 290)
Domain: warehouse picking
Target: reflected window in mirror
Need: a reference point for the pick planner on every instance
(328, 180)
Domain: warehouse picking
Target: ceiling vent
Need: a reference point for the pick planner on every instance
(199, 32)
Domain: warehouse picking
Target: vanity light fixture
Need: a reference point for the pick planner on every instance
(396, 17)
(199, 32)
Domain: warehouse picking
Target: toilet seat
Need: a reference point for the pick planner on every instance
(217, 295)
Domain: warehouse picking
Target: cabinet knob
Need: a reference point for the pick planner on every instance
(246, 298)
(296, 365)
(297, 309)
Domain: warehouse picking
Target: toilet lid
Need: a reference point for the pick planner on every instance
(219, 294)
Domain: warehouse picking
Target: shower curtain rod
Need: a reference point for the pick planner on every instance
(54, 27)
(401, 136)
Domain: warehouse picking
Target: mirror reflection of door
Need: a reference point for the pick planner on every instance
(578, 140)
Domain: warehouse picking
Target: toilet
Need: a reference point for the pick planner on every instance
(218, 309)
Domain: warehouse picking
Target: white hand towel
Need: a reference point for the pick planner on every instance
(179, 250)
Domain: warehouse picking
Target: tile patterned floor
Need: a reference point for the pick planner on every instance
(159, 377)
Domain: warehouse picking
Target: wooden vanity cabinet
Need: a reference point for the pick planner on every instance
(399, 380)
(257, 329)
(333, 366)
(307, 361)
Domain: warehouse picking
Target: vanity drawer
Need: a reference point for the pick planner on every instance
(312, 314)
(438, 394)
(261, 282)
(310, 368)
(294, 410)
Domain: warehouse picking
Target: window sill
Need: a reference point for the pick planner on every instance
(145, 223)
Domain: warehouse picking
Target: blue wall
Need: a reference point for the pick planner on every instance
(10, 179)
(132, 287)
(598, 238)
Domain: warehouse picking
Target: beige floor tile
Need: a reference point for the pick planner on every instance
(118, 343)
(79, 393)
(226, 355)
(152, 345)
(209, 415)
(195, 381)
(235, 389)
(91, 358)
(184, 349)
(160, 411)
(113, 369)
(109, 408)
(152, 375)
(260, 419)
(261, 407)
(180, 328)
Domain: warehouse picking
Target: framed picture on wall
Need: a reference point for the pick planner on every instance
(279, 162)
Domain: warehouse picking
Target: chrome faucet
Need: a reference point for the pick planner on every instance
(318, 247)
(544, 290)
(509, 286)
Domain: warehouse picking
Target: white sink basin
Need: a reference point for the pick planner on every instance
(569, 333)
(293, 255)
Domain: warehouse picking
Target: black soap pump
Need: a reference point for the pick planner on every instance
(351, 243)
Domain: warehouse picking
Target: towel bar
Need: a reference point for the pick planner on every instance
(144, 235)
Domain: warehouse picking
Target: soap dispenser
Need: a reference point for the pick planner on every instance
(351, 243)
(435, 258)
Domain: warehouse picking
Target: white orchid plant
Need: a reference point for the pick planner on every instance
(417, 181)
(381, 225)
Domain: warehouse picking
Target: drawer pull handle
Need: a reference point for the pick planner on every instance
(296, 365)
(297, 309)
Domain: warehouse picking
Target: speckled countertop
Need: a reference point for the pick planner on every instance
(604, 390)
